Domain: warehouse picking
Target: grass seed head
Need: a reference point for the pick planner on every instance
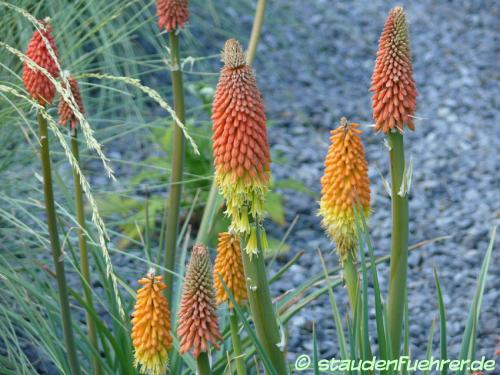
(393, 86)
(198, 326)
(65, 112)
(241, 151)
(172, 14)
(151, 335)
(229, 265)
(37, 84)
(345, 176)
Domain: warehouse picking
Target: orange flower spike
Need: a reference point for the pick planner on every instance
(393, 86)
(172, 14)
(197, 317)
(37, 83)
(229, 265)
(241, 151)
(65, 112)
(345, 176)
(151, 335)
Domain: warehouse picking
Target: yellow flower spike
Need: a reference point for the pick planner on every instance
(346, 175)
(151, 336)
(229, 265)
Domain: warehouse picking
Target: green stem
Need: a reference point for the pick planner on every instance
(84, 258)
(261, 307)
(203, 364)
(399, 243)
(351, 278)
(256, 28)
(213, 201)
(56, 247)
(178, 142)
(235, 337)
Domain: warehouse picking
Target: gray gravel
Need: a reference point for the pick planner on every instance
(317, 67)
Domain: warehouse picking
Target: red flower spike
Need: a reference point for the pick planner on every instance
(172, 14)
(66, 114)
(37, 84)
(393, 86)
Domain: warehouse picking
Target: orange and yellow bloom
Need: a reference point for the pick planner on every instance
(37, 83)
(229, 265)
(172, 14)
(241, 151)
(345, 180)
(198, 326)
(393, 86)
(151, 335)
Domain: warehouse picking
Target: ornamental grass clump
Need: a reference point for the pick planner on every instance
(241, 151)
(42, 51)
(172, 14)
(197, 318)
(394, 103)
(345, 189)
(151, 336)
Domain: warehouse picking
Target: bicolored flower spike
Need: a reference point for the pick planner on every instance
(344, 182)
(241, 151)
(37, 84)
(151, 335)
(229, 265)
(197, 317)
(172, 14)
(65, 112)
(393, 86)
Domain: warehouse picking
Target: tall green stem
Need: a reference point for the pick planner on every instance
(235, 337)
(84, 258)
(213, 201)
(203, 364)
(399, 244)
(178, 142)
(261, 307)
(56, 247)
(256, 28)
(351, 278)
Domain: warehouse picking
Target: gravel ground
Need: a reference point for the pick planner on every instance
(317, 68)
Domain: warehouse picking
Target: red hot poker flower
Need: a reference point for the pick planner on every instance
(65, 112)
(241, 150)
(172, 14)
(198, 326)
(37, 84)
(393, 86)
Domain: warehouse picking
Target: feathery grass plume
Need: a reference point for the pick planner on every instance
(151, 326)
(393, 86)
(197, 317)
(346, 175)
(229, 265)
(172, 14)
(65, 112)
(37, 84)
(241, 150)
